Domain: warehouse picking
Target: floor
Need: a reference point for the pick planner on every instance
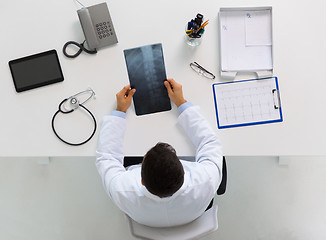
(64, 200)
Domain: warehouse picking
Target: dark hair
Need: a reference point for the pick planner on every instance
(162, 172)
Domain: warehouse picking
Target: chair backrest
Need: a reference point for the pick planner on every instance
(196, 229)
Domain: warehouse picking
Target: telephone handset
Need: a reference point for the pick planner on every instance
(98, 29)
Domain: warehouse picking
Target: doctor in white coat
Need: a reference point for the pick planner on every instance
(163, 191)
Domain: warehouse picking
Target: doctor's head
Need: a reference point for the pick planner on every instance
(162, 172)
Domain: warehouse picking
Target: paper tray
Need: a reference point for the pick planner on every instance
(246, 41)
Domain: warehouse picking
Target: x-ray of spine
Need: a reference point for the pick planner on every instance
(146, 72)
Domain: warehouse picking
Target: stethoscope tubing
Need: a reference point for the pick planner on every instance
(70, 111)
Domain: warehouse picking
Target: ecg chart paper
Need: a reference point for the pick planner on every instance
(247, 102)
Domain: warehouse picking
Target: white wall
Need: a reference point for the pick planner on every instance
(65, 200)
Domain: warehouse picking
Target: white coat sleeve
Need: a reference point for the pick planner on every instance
(109, 153)
(208, 146)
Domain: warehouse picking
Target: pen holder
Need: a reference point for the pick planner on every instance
(193, 40)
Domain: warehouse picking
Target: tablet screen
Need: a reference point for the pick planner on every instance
(36, 70)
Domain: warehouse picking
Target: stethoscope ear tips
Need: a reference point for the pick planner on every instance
(92, 92)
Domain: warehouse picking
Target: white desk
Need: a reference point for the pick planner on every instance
(29, 27)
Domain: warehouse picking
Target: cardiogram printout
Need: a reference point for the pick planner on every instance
(248, 102)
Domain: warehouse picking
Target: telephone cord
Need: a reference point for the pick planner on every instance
(81, 48)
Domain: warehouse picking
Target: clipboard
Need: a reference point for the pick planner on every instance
(247, 102)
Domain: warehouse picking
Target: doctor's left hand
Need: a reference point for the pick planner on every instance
(124, 98)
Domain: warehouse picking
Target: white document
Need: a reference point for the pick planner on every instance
(258, 28)
(247, 102)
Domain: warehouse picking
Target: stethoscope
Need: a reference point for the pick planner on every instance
(71, 104)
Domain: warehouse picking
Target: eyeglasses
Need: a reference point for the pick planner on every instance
(201, 71)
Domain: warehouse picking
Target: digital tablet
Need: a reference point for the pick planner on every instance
(36, 70)
(146, 71)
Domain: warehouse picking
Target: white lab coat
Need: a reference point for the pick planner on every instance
(124, 187)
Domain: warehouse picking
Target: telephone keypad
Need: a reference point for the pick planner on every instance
(104, 30)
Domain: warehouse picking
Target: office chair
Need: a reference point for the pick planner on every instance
(196, 229)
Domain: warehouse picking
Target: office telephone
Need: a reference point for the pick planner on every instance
(98, 29)
(97, 26)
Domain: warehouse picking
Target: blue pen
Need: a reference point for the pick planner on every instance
(189, 26)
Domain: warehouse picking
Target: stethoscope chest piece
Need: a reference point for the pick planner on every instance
(74, 101)
(71, 104)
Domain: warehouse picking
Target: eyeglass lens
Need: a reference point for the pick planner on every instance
(202, 71)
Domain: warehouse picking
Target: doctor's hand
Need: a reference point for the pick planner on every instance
(124, 98)
(175, 91)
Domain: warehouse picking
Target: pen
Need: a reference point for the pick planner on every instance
(202, 27)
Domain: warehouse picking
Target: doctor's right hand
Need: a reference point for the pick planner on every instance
(175, 91)
(124, 98)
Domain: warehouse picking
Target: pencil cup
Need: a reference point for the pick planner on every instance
(193, 40)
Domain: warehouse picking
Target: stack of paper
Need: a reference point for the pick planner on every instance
(246, 40)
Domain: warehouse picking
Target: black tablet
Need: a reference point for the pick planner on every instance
(146, 71)
(36, 70)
